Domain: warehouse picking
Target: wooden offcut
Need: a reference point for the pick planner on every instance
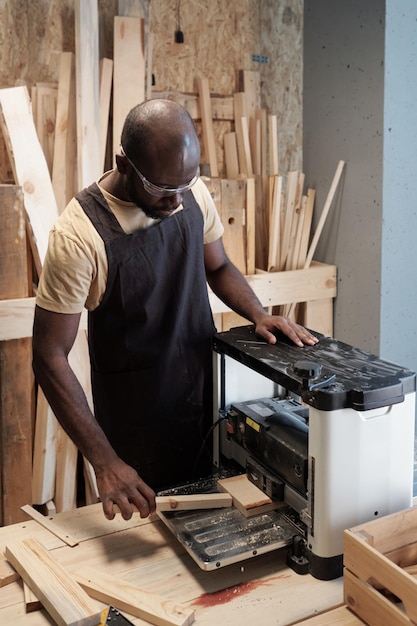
(133, 599)
(66, 602)
(247, 497)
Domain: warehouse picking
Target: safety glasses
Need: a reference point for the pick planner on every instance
(157, 190)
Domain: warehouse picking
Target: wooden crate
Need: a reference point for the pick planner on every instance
(379, 558)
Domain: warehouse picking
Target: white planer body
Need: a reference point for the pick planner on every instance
(328, 428)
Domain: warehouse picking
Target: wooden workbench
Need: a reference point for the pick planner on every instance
(261, 590)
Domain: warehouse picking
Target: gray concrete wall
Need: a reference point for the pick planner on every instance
(360, 105)
(343, 119)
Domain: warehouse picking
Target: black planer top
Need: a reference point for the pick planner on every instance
(328, 376)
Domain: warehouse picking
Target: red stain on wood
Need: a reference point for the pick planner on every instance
(227, 595)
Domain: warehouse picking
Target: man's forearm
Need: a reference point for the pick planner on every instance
(67, 400)
(234, 290)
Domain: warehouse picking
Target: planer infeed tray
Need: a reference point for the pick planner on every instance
(218, 537)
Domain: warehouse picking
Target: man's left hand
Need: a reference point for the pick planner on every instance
(269, 324)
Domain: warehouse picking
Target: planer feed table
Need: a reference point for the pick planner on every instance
(218, 537)
(333, 434)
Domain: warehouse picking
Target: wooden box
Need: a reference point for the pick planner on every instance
(380, 558)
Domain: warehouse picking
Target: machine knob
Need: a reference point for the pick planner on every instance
(307, 369)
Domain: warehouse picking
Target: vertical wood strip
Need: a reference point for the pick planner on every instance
(128, 71)
(87, 92)
(65, 153)
(207, 122)
(16, 378)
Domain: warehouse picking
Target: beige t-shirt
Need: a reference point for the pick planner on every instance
(74, 273)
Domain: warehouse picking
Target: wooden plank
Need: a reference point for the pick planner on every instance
(129, 61)
(289, 208)
(45, 119)
(66, 602)
(207, 123)
(324, 213)
(49, 525)
(65, 152)
(242, 134)
(190, 502)
(128, 597)
(231, 155)
(275, 224)
(29, 166)
(233, 215)
(250, 84)
(16, 378)
(87, 92)
(32, 603)
(291, 263)
(273, 145)
(105, 86)
(305, 236)
(247, 497)
(44, 452)
(250, 225)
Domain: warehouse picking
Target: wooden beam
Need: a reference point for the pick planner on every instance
(136, 601)
(246, 496)
(66, 602)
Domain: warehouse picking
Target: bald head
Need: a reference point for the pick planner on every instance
(159, 127)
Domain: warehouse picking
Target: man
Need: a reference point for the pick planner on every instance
(136, 250)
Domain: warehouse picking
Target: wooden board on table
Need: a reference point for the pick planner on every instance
(87, 92)
(128, 61)
(247, 497)
(128, 597)
(64, 599)
(191, 502)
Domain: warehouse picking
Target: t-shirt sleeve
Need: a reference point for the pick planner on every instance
(69, 274)
(213, 227)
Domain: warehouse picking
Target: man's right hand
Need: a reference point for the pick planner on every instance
(118, 483)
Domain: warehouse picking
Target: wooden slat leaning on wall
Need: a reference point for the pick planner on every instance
(16, 380)
(128, 61)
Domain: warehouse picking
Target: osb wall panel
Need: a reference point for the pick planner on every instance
(220, 37)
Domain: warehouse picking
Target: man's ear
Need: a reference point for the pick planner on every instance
(121, 164)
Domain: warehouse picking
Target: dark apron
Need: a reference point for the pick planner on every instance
(150, 344)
